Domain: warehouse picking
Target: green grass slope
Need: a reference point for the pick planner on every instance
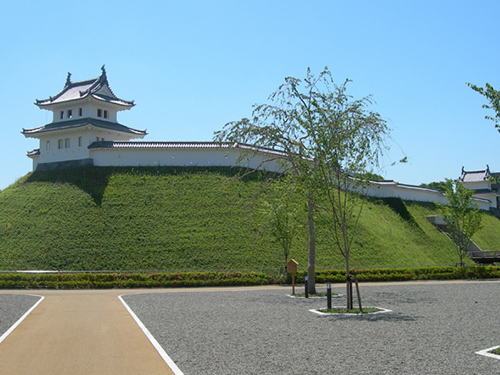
(189, 219)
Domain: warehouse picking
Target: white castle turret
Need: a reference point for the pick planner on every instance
(84, 113)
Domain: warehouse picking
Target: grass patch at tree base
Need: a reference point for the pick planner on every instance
(496, 351)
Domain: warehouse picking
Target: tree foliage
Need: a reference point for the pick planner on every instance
(461, 214)
(330, 144)
(436, 185)
(493, 97)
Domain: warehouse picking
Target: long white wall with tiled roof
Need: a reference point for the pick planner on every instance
(195, 156)
(393, 189)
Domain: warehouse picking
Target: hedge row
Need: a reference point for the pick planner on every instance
(132, 280)
(407, 274)
(99, 280)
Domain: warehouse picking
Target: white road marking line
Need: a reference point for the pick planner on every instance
(9, 331)
(153, 341)
(486, 352)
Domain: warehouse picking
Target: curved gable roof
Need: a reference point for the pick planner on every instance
(98, 88)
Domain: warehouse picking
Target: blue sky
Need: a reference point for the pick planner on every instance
(193, 66)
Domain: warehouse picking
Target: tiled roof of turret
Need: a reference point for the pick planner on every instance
(98, 88)
(83, 122)
(474, 176)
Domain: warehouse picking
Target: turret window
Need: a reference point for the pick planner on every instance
(80, 112)
(80, 142)
(66, 143)
(102, 113)
(62, 115)
(60, 144)
(70, 113)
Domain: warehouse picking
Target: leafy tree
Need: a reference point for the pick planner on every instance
(278, 126)
(328, 141)
(494, 98)
(461, 214)
(283, 211)
(346, 140)
(436, 185)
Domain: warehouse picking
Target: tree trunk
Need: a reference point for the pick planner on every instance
(347, 268)
(348, 285)
(311, 266)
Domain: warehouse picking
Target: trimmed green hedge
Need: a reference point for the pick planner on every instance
(230, 278)
(131, 280)
(407, 274)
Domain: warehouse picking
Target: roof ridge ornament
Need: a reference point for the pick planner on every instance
(68, 80)
(103, 77)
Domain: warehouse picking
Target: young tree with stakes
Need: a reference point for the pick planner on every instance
(462, 216)
(283, 210)
(328, 142)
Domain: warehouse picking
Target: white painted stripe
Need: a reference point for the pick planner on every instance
(486, 352)
(153, 341)
(382, 311)
(9, 331)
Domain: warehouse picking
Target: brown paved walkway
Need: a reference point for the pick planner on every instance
(79, 332)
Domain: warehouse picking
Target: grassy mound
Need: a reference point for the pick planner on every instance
(96, 218)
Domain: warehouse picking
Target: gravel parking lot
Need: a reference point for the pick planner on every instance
(435, 328)
(12, 308)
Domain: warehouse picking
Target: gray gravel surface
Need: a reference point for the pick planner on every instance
(13, 307)
(435, 328)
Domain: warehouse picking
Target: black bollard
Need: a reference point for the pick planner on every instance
(305, 285)
(329, 296)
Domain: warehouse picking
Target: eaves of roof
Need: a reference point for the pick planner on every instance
(486, 192)
(180, 145)
(158, 144)
(53, 126)
(183, 145)
(33, 153)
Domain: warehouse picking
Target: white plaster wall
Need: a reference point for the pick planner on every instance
(89, 135)
(491, 197)
(477, 185)
(89, 109)
(204, 157)
(406, 192)
(55, 154)
(35, 160)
